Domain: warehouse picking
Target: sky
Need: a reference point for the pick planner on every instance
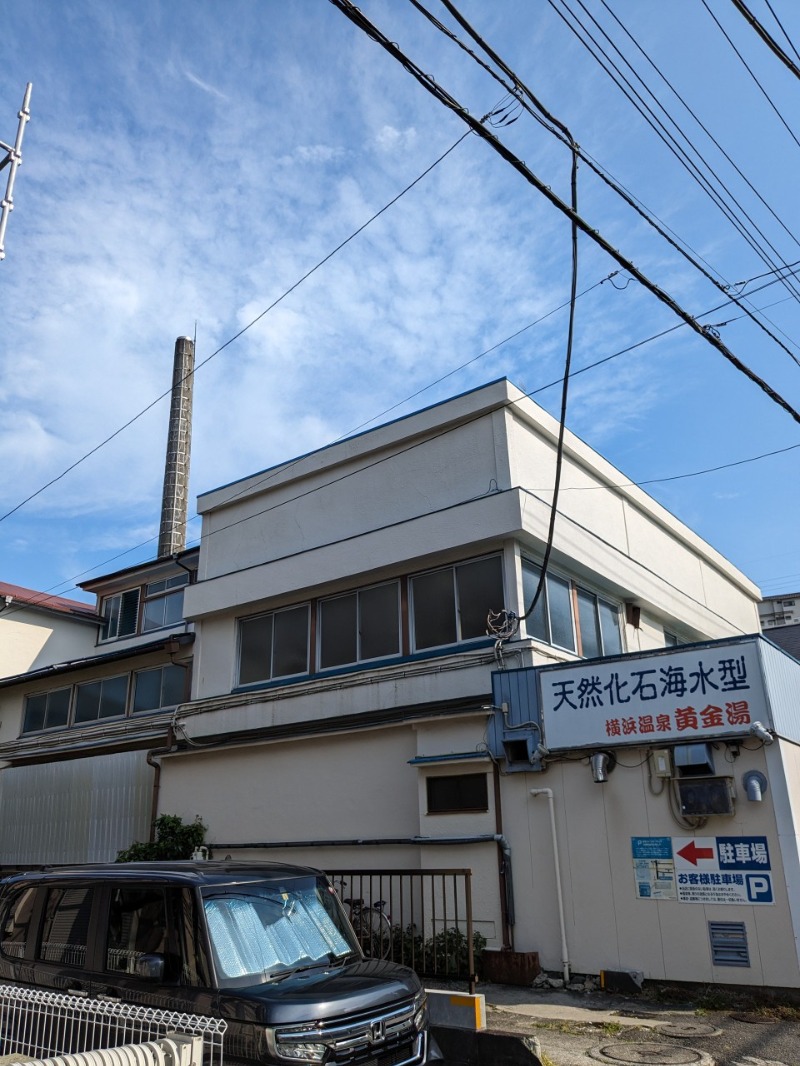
(187, 164)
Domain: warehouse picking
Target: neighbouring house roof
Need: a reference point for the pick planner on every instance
(130, 572)
(45, 601)
(786, 637)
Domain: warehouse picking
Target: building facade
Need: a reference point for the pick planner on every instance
(369, 690)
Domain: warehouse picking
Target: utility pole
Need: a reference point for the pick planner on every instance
(13, 159)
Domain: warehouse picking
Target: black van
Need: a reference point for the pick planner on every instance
(267, 947)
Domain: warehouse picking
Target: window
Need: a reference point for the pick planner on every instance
(163, 602)
(274, 645)
(452, 604)
(457, 792)
(66, 926)
(101, 699)
(120, 613)
(138, 925)
(670, 640)
(47, 710)
(162, 687)
(569, 616)
(16, 923)
(359, 626)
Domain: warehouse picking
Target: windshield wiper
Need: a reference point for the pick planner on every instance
(281, 975)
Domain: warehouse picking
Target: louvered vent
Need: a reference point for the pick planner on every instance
(728, 944)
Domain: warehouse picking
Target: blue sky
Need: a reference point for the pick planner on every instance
(187, 163)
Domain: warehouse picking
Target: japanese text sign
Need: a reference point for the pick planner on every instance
(683, 695)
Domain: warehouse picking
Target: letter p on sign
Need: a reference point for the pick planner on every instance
(759, 888)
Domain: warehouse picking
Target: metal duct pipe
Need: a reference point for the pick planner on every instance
(174, 501)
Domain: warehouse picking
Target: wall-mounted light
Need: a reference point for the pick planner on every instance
(761, 731)
(602, 763)
(755, 785)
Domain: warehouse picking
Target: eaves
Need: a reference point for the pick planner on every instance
(173, 643)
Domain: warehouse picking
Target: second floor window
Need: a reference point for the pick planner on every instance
(274, 645)
(153, 689)
(452, 604)
(360, 626)
(101, 699)
(570, 616)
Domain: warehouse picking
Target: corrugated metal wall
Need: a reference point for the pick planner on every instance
(782, 686)
(82, 810)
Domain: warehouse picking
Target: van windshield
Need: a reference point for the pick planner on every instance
(261, 931)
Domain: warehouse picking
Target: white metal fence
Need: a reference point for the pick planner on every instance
(41, 1025)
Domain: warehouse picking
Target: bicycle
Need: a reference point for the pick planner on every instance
(372, 926)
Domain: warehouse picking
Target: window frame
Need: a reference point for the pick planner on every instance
(107, 614)
(172, 588)
(360, 657)
(132, 710)
(578, 592)
(47, 694)
(453, 568)
(271, 676)
(454, 807)
(102, 682)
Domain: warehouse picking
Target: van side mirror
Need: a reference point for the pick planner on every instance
(150, 967)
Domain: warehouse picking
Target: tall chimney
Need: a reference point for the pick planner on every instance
(172, 534)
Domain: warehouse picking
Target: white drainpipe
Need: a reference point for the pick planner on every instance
(564, 952)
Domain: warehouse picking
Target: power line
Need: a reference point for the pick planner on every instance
(752, 73)
(243, 330)
(765, 36)
(534, 392)
(705, 181)
(517, 88)
(436, 90)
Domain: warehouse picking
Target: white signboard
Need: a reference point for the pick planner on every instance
(723, 870)
(685, 695)
(703, 869)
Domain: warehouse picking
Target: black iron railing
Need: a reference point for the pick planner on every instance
(421, 918)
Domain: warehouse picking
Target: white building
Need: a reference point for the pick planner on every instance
(37, 629)
(776, 611)
(349, 710)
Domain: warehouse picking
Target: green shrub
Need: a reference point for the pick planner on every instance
(443, 955)
(174, 839)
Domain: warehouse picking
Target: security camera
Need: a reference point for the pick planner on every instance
(760, 731)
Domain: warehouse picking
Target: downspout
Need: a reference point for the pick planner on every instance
(559, 894)
(151, 761)
(504, 862)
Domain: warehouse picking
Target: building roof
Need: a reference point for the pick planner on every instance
(786, 637)
(174, 641)
(45, 601)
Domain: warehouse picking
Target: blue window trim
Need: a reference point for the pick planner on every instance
(372, 664)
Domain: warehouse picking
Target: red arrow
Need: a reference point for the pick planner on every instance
(692, 853)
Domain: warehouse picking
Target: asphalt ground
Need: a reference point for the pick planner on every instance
(584, 1028)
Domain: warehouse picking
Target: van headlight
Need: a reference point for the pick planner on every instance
(294, 1050)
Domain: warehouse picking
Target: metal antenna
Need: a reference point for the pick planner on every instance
(14, 158)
